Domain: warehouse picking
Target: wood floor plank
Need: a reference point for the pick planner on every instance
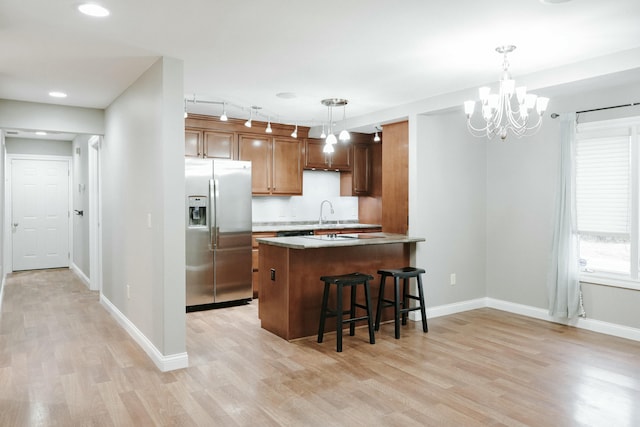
(65, 361)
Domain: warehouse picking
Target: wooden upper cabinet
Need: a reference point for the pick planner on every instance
(358, 181)
(361, 169)
(276, 164)
(257, 150)
(287, 166)
(192, 143)
(210, 144)
(219, 145)
(315, 158)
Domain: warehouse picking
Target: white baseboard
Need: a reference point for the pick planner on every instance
(529, 311)
(4, 276)
(164, 363)
(81, 275)
(444, 310)
(583, 323)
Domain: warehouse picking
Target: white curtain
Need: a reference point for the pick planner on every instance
(563, 284)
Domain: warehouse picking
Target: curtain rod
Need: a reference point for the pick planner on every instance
(556, 115)
(609, 108)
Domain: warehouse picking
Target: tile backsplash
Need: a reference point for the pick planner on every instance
(317, 186)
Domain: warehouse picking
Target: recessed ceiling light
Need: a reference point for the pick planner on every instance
(56, 94)
(286, 95)
(94, 10)
(41, 133)
(554, 1)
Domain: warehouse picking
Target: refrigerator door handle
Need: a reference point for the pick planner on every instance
(213, 222)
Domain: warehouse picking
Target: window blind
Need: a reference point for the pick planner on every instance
(603, 186)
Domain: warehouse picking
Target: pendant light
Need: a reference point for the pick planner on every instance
(185, 109)
(330, 103)
(224, 117)
(323, 135)
(344, 135)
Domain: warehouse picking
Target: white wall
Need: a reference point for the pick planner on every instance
(2, 236)
(448, 208)
(42, 147)
(317, 186)
(143, 189)
(521, 184)
(80, 201)
(51, 118)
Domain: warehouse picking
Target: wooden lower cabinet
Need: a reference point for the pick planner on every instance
(254, 260)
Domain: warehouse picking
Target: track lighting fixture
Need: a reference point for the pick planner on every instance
(185, 109)
(294, 134)
(376, 137)
(268, 129)
(248, 122)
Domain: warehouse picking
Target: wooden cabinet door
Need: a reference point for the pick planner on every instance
(361, 169)
(341, 157)
(257, 150)
(219, 145)
(192, 143)
(287, 166)
(314, 158)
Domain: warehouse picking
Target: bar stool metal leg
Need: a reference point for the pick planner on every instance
(367, 298)
(323, 313)
(380, 302)
(339, 313)
(396, 306)
(423, 311)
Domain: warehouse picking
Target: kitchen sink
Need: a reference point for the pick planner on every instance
(332, 236)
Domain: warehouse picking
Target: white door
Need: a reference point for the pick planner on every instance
(40, 213)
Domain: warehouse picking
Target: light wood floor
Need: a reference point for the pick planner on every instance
(64, 361)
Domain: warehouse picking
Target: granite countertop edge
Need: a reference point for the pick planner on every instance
(309, 242)
(274, 227)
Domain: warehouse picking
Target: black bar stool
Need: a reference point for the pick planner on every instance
(401, 306)
(353, 280)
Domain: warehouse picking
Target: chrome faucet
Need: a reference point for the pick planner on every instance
(321, 206)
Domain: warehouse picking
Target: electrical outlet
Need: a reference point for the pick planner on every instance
(452, 279)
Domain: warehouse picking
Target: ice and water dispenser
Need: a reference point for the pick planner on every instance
(197, 211)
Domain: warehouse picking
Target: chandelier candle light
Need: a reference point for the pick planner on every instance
(501, 111)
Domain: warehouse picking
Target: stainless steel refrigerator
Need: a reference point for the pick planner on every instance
(218, 235)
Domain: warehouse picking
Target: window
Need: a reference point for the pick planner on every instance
(607, 193)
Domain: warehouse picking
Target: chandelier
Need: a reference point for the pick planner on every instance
(330, 138)
(502, 111)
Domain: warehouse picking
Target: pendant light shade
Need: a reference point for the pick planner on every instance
(224, 117)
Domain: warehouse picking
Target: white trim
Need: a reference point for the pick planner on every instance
(162, 362)
(4, 276)
(447, 309)
(95, 214)
(81, 275)
(582, 323)
(533, 312)
(609, 280)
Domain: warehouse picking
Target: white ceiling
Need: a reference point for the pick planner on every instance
(376, 53)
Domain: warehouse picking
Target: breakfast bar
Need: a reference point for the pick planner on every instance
(290, 270)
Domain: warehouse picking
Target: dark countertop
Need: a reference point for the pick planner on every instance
(301, 226)
(341, 240)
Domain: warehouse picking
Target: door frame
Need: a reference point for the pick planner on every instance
(95, 214)
(8, 241)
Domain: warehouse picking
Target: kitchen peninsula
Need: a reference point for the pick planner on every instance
(290, 270)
